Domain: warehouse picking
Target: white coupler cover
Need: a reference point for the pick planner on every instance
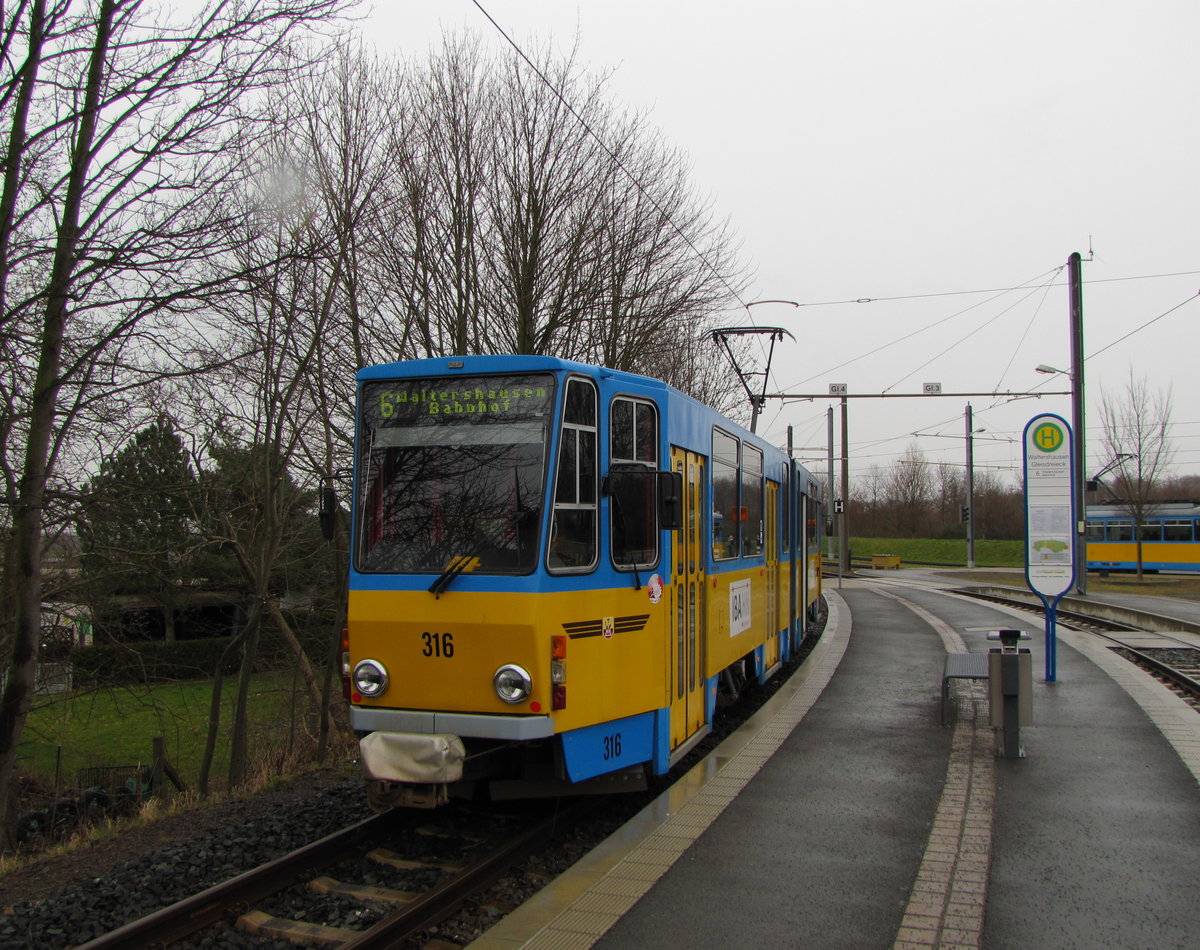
(407, 757)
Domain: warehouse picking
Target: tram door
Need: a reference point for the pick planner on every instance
(688, 660)
(771, 550)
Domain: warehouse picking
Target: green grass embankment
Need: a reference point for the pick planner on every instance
(952, 552)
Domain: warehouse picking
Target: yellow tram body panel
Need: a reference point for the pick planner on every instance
(1100, 553)
(737, 617)
(442, 654)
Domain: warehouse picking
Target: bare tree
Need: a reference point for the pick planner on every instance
(909, 492)
(1135, 429)
(538, 219)
(119, 119)
(261, 413)
(951, 492)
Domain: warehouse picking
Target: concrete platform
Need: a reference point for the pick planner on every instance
(844, 815)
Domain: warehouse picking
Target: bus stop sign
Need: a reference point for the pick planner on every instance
(1049, 517)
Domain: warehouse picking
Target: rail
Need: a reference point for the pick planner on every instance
(210, 906)
(1087, 607)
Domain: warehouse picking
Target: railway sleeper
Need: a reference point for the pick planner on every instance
(391, 859)
(294, 931)
(360, 892)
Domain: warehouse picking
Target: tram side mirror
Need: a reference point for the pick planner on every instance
(326, 512)
(670, 500)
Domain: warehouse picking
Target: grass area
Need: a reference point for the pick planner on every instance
(941, 551)
(116, 727)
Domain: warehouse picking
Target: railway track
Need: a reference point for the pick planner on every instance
(264, 903)
(1174, 661)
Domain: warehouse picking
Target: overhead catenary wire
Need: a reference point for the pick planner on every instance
(736, 295)
(1027, 285)
(1137, 330)
(988, 290)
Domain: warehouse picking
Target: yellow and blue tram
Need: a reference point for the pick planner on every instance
(557, 570)
(1169, 535)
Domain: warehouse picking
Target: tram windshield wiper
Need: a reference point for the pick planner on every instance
(447, 577)
(474, 559)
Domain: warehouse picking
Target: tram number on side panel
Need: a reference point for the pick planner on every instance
(740, 608)
(612, 746)
(438, 644)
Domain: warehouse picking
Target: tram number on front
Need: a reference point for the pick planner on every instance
(612, 746)
(438, 644)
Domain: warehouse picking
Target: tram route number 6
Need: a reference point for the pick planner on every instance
(438, 644)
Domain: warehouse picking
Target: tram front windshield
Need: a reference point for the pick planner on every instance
(451, 469)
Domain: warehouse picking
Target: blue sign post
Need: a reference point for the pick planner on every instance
(1049, 519)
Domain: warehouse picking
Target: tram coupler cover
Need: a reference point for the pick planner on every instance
(1010, 690)
(405, 757)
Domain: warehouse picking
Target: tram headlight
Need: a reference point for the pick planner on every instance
(370, 677)
(512, 683)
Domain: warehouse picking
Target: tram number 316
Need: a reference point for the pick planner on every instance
(612, 746)
(438, 644)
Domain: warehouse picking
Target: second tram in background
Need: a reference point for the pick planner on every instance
(557, 570)
(1170, 536)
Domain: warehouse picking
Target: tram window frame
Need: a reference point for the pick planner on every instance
(1151, 532)
(574, 523)
(786, 514)
(726, 482)
(811, 532)
(753, 501)
(633, 451)
(1094, 531)
(1177, 531)
(1120, 531)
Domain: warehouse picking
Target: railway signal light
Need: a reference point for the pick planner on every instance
(966, 514)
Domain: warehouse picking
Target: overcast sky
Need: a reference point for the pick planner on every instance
(923, 156)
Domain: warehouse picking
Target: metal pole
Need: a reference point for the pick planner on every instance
(829, 491)
(1075, 271)
(970, 488)
(844, 520)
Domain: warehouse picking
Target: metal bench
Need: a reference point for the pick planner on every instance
(962, 666)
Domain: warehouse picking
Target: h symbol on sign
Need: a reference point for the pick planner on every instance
(1048, 437)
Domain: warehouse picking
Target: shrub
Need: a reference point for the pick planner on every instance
(122, 664)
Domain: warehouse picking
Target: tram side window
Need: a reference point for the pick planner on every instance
(726, 514)
(1120, 531)
(1151, 531)
(816, 520)
(1177, 531)
(1095, 531)
(573, 529)
(752, 501)
(633, 451)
